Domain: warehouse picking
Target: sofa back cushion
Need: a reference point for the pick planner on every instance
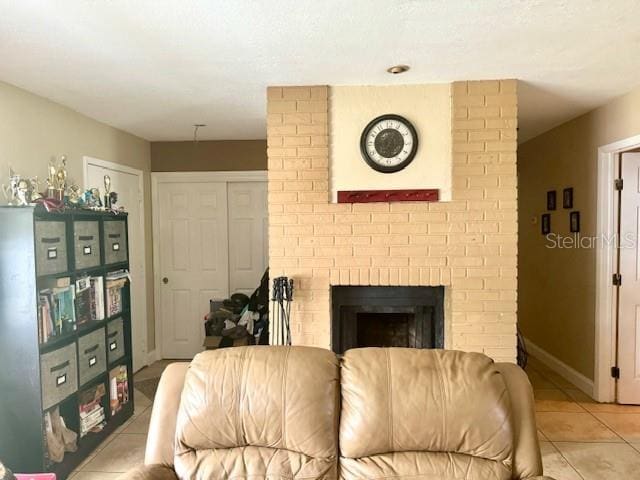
(405, 407)
(259, 411)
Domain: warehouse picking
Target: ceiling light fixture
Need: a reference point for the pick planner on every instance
(196, 126)
(397, 69)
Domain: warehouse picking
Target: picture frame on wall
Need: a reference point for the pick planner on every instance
(551, 200)
(567, 198)
(545, 223)
(574, 222)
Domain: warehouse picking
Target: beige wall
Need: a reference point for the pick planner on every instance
(557, 286)
(427, 107)
(468, 245)
(219, 155)
(33, 130)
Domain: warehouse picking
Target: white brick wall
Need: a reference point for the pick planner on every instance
(468, 244)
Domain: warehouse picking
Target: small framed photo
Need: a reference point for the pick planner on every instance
(545, 223)
(574, 222)
(567, 198)
(551, 200)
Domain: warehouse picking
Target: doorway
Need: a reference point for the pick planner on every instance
(617, 368)
(128, 183)
(210, 240)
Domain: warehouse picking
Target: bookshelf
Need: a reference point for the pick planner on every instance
(65, 336)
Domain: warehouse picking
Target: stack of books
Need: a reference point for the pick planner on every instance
(115, 283)
(118, 388)
(89, 299)
(92, 418)
(56, 309)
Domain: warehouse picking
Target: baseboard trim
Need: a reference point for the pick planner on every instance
(561, 368)
(152, 357)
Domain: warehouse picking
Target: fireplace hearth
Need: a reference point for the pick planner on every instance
(411, 317)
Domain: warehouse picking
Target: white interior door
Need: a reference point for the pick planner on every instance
(127, 183)
(193, 260)
(248, 239)
(629, 299)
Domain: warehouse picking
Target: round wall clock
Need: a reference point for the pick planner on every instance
(389, 143)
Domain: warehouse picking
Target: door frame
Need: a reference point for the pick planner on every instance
(158, 178)
(146, 359)
(604, 386)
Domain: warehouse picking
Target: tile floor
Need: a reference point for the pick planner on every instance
(579, 439)
(123, 449)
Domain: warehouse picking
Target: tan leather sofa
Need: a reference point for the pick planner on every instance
(301, 413)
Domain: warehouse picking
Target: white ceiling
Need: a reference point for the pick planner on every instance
(156, 67)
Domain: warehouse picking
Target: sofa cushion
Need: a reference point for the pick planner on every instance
(423, 466)
(409, 400)
(256, 411)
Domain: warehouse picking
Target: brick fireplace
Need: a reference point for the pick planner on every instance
(466, 246)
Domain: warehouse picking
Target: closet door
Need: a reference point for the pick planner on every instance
(193, 259)
(248, 247)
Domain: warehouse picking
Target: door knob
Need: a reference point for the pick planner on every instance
(165, 280)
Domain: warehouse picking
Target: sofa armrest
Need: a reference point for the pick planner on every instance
(164, 414)
(527, 461)
(150, 472)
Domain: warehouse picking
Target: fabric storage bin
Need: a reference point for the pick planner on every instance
(58, 375)
(51, 247)
(115, 340)
(115, 241)
(86, 243)
(92, 360)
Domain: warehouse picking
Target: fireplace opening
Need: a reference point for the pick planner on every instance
(410, 317)
(394, 329)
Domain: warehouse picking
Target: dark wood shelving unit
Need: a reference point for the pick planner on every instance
(23, 446)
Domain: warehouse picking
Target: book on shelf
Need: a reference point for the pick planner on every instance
(118, 388)
(97, 298)
(83, 300)
(116, 281)
(89, 299)
(56, 309)
(91, 410)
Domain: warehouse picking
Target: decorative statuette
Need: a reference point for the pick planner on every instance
(74, 194)
(20, 191)
(61, 178)
(107, 190)
(57, 179)
(51, 180)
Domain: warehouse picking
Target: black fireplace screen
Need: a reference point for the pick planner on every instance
(387, 317)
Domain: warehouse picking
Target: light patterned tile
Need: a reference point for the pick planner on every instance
(141, 399)
(554, 400)
(555, 465)
(574, 427)
(627, 425)
(95, 476)
(541, 437)
(602, 461)
(594, 407)
(123, 453)
(139, 424)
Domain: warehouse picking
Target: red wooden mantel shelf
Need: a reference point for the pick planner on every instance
(368, 196)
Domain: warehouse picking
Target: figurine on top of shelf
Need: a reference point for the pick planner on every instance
(74, 196)
(20, 191)
(92, 199)
(107, 190)
(57, 180)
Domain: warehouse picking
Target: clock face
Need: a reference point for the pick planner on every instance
(389, 143)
